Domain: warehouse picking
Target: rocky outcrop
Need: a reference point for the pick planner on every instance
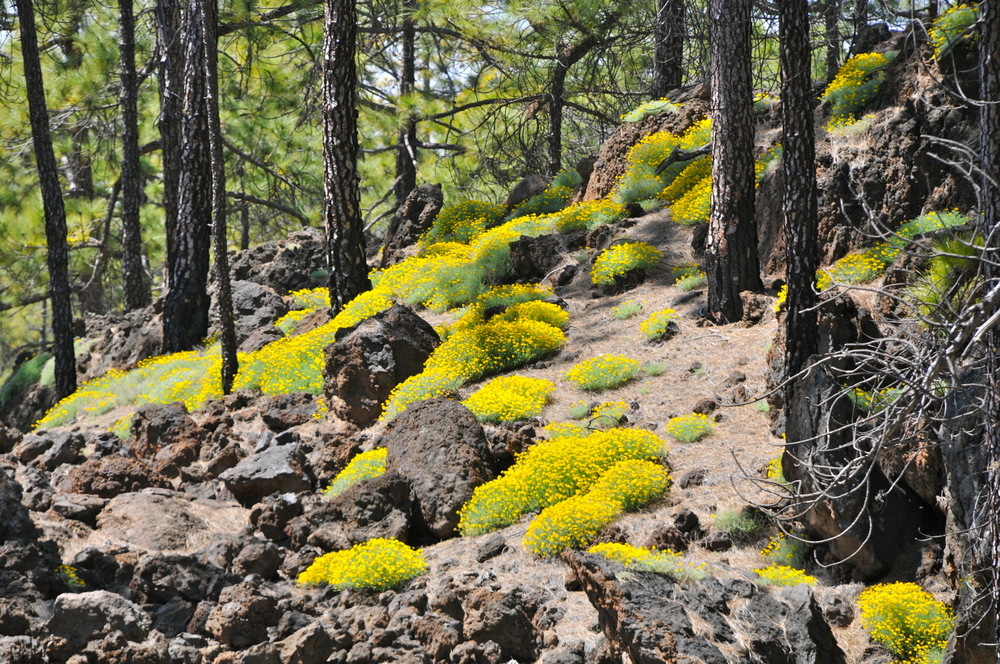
(653, 619)
(287, 265)
(255, 307)
(368, 360)
(411, 220)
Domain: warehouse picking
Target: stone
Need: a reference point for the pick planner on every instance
(276, 469)
(505, 618)
(260, 558)
(259, 338)
(526, 188)
(111, 476)
(161, 578)
(254, 306)
(281, 412)
(79, 506)
(309, 645)
(83, 617)
(379, 507)
(272, 515)
(651, 618)
(367, 361)
(441, 450)
(491, 547)
(533, 258)
(22, 650)
(165, 437)
(413, 218)
(283, 266)
(242, 616)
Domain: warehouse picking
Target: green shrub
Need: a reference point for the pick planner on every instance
(498, 296)
(588, 215)
(510, 398)
(953, 27)
(608, 414)
(378, 564)
(741, 525)
(603, 372)
(659, 325)
(575, 522)
(423, 386)
(950, 279)
(551, 471)
(626, 309)
(874, 401)
(690, 428)
(654, 107)
(906, 619)
(364, 466)
(784, 550)
(619, 260)
(654, 368)
(855, 85)
(28, 373)
(555, 197)
(640, 181)
(782, 575)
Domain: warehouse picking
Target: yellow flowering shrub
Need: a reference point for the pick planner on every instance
(462, 222)
(70, 577)
(695, 205)
(694, 173)
(621, 259)
(626, 309)
(551, 471)
(953, 27)
(653, 107)
(661, 561)
(785, 550)
(906, 619)
(364, 466)
(603, 372)
(658, 324)
(783, 575)
(494, 346)
(690, 428)
(575, 522)
(640, 180)
(588, 215)
(498, 296)
(566, 430)
(608, 414)
(378, 564)
(875, 400)
(543, 312)
(510, 398)
(310, 298)
(290, 321)
(856, 84)
(425, 385)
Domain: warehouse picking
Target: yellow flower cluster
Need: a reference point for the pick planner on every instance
(310, 298)
(653, 107)
(906, 619)
(551, 471)
(856, 83)
(783, 575)
(462, 222)
(690, 428)
(364, 466)
(425, 385)
(553, 199)
(953, 27)
(693, 174)
(621, 259)
(874, 401)
(290, 321)
(771, 157)
(69, 576)
(658, 324)
(498, 296)
(661, 561)
(695, 206)
(378, 564)
(786, 551)
(566, 430)
(603, 372)
(775, 472)
(588, 215)
(545, 312)
(576, 520)
(640, 181)
(510, 398)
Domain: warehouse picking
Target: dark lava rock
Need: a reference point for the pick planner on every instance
(379, 507)
(413, 218)
(441, 450)
(254, 307)
(284, 266)
(276, 469)
(82, 617)
(110, 476)
(370, 359)
(242, 617)
(281, 412)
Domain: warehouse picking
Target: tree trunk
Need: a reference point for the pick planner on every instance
(989, 138)
(732, 261)
(831, 20)
(341, 194)
(566, 57)
(207, 10)
(52, 203)
(669, 50)
(136, 286)
(185, 307)
(406, 146)
(799, 169)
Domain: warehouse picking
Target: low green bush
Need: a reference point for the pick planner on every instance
(661, 561)
(659, 325)
(653, 107)
(364, 466)
(690, 428)
(855, 85)
(603, 372)
(953, 27)
(626, 309)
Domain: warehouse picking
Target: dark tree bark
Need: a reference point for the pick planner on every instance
(799, 201)
(208, 13)
(185, 306)
(406, 145)
(341, 194)
(731, 255)
(989, 138)
(669, 50)
(136, 285)
(52, 204)
(831, 26)
(171, 83)
(565, 59)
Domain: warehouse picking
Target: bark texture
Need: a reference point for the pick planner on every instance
(799, 205)
(136, 285)
(52, 203)
(342, 199)
(406, 142)
(669, 50)
(733, 265)
(185, 307)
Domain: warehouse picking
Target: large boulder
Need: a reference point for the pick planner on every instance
(368, 360)
(166, 437)
(110, 476)
(254, 307)
(278, 468)
(287, 265)
(441, 450)
(82, 617)
(653, 619)
(412, 219)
